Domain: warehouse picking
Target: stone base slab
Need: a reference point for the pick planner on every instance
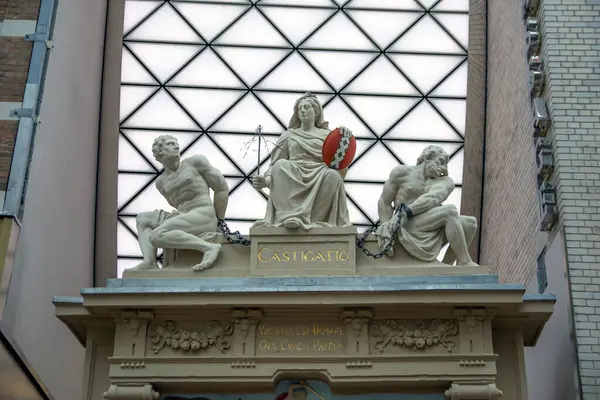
(318, 252)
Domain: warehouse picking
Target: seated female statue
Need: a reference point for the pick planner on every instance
(303, 191)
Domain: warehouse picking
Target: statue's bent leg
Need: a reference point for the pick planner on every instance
(469, 225)
(146, 222)
(457, 238)
(181, 232)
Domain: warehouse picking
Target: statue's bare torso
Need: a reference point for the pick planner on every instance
(185, 189)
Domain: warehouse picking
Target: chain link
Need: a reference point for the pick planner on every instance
(360, 242)
(227, 233)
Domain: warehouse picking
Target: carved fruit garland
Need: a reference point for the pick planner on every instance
(174, 336)
(415, 335)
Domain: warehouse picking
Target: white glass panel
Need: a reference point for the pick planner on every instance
(133, 72)
(161, 112)
(429, 3)
(246, 202)
(338, 114)
(294, 74)
(383, 26)
(336, 66)
(127, 244)
(380, 112)
(297, 23)
(356, 216)
(362, 145)
(320, 3)
(135, 11)
(206, 105)
(426, 36)
(282, 104)
(130, 184)
(425, 71)
(242, 227)
(455, 167)
(452, 5)
(150, 199)
(132, 97)
(143, 141)
(455, 84)
(130, 223)
(385, 4)
(245, 116)
(130, 159)
(243, 149)
(207, 148)
(454, 198)
(454, 111)
(210, 19)
(262, 60)
(409, 152)
(423, 123)
(207, 70)
(381, 77)
(163, 59)
(232, 183)
(457, 25)
(252, 29)
(374, 165)
(366, 196)
(164, 25)
(339, 33)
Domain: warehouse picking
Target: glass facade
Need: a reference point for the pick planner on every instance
(210, 72)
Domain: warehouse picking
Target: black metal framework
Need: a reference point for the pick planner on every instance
(173, 93)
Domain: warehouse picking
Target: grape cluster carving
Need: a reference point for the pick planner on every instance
(174, 336)
(414, 335)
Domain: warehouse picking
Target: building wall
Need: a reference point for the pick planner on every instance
(552, 365)
(55, 252)
(17, 18)
(571, 55)
(510, 215)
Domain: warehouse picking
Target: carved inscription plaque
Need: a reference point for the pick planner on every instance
(300, 338)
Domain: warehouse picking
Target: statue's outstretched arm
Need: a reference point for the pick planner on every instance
(216, 181)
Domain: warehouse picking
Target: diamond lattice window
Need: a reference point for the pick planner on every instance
(210, 72)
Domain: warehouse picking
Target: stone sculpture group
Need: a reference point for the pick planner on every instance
(304, 193)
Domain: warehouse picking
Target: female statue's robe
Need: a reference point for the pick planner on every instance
(302, 186)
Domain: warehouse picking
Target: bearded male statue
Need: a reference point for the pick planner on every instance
(412, 214)
(193, 225)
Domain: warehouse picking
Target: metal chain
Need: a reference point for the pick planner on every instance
(360, 242)
(227, 233)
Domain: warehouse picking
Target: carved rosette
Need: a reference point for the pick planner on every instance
(414, 335)
(168, 334)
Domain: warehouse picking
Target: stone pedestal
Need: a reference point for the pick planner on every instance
(318, 251)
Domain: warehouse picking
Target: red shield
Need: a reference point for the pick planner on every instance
(338, 150)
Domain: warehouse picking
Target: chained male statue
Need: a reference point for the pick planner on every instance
(193, 224)
(412, 214)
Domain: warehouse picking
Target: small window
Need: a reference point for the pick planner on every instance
(542, 276)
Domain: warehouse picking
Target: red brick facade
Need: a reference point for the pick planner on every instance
(15, 54)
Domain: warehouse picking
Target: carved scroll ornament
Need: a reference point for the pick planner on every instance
(174, 336)
(415, 335)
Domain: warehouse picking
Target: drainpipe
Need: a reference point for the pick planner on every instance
(28, 114)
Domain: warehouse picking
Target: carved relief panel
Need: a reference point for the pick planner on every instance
(171, 338)
(400, 336)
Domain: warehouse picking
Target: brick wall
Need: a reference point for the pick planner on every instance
(15, 54)
(571, 54)
(474, 128)
(510, 215)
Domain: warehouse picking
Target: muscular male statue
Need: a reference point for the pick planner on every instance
(193, 225)
(426, 224)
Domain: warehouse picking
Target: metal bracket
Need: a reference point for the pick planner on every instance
(40, 37)
(25, 113)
